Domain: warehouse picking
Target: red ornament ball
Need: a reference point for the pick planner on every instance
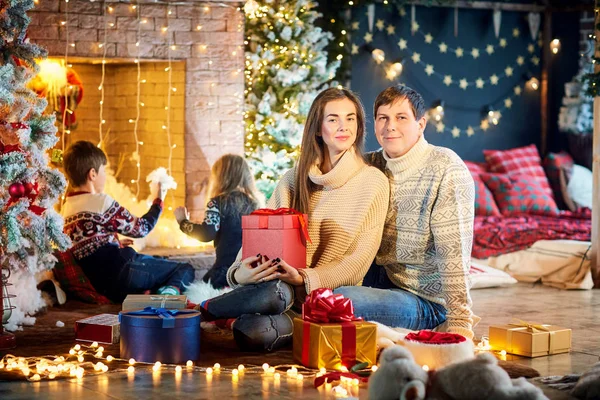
(16, 190)
(28, 187)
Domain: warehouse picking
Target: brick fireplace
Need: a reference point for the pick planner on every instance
(207, 73)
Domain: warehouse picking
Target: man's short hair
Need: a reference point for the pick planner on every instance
(80, 158)
(396, 92)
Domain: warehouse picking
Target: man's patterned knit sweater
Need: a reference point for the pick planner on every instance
(428, 234)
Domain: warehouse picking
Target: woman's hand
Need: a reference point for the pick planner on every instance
(248, 274)
(289, 274)
(181, 213)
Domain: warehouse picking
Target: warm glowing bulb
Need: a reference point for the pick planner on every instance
(503, 353)
(217, 366)
(94, 344)
(209, 371)
(189, 363)
(265, 367)
(131, 369)
(132, 361)
(77, 347)
(109, 358)
(178, 368)
(425, 367)
(235, 372)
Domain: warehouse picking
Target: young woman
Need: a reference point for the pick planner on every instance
(346, 202)
(232, 194)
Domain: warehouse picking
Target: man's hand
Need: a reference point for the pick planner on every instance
(181, 213)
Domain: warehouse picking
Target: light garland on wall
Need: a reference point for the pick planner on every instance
(101, 87)
(171, 89)
(137, 157)
(448, 80)
(64, 115)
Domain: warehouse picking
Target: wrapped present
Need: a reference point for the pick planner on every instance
(103, 328)
(277, 233)
(158, 334)
(139, 301)
(329, 336)
(530, 340)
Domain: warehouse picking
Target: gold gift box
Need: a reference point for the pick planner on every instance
(529, 340)
(140, 301)
(325, 344)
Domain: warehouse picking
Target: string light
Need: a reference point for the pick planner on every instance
(137, 106)
(101, 87)
(555, 46)
(64, 115)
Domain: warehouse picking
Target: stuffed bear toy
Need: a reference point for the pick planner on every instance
(400, 377)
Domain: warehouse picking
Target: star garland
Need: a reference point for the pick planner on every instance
(448, 80)
(485, 124)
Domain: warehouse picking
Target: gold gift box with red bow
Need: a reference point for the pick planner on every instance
(329, 336)
(530, 340)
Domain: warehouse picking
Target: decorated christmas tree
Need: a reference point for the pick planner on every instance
(30, 229)
(286, 68)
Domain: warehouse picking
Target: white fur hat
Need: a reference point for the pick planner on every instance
(438, 349)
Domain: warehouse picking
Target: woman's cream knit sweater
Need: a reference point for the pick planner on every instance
(346, 219)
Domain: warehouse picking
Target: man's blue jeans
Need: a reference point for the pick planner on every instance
(381, 301)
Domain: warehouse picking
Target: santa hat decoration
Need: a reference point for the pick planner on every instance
(438, 349)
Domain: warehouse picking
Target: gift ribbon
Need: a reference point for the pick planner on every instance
(322, 306)
(167, 315)
(264, 223)
(532, 328)
(163, 300)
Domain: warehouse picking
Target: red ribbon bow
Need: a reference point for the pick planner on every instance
(286, 211)
(435, 337)
(324, 306)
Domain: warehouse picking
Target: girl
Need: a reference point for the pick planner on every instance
(346, 202)
(232, 194)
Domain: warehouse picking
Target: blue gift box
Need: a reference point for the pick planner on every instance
(159, 334)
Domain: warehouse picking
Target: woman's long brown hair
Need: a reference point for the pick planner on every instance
(313, 147)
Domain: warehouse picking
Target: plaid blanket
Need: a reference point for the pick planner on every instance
(73, 281)
(493, 236)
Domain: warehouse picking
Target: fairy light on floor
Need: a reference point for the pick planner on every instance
(101, 87)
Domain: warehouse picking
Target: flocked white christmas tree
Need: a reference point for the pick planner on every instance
(30, 229)
(576, 113)
(286, 67)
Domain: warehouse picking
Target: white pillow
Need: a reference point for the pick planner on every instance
(579, 187)
(483, 276)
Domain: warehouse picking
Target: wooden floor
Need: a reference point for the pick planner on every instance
(575, 309)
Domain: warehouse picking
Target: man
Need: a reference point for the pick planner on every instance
(420, 279)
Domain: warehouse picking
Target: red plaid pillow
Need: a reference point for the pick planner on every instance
(519, 161)
(520, 194)
(484, 200)
(553, 164)
(73, 281)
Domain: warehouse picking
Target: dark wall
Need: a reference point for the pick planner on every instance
(519, 125)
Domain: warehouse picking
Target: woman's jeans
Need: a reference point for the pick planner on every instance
(380, 300)
(262, 311)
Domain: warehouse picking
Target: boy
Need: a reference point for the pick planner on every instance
(93, 219)
(420, 279)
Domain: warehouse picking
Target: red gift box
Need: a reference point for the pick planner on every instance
(280, 233)
(103, 328)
